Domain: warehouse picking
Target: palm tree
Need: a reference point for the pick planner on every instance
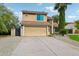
(61, 7)
(7, 19)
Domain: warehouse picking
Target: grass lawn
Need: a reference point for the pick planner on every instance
(74, 37)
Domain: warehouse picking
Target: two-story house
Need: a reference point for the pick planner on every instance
(34, 23)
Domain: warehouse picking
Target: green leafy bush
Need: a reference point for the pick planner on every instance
(63, 32)
(77, 24)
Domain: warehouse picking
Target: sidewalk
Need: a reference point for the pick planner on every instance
(67, 40)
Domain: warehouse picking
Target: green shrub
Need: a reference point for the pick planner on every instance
(63, 32)
(77, 24)
(5, 33)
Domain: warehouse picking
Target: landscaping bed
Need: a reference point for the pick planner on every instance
(74, 37)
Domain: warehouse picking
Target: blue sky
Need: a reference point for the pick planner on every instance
(72, 12)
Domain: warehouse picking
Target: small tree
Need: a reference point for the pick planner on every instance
(7, 19)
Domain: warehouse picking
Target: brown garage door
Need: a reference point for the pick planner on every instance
(35, 31)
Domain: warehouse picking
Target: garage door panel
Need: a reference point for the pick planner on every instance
(35, 31)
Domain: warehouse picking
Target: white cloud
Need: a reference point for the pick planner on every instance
(51, 9)
(16, 13)
(72, 16)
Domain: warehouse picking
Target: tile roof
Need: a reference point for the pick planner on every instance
(33, 12)
(34, 23)
(69, 23)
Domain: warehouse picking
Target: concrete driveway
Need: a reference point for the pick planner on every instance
(38, 46)
(44, 46)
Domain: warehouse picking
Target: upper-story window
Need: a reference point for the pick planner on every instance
(40, 17)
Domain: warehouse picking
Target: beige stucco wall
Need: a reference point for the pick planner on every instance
(31, 17)
(35, 31)
(22, 31)
(52, 26)
(13, 32)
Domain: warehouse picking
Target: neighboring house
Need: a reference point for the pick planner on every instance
(50, 20)
(70, 27)
(34, 24)
(54, 25)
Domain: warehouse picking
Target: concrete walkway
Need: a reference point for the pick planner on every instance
(44, 46)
